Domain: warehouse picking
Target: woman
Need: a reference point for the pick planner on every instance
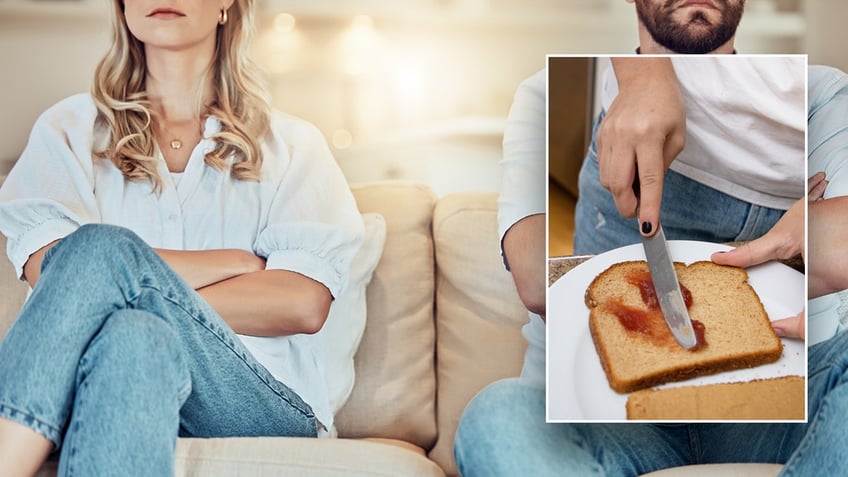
(223, 218)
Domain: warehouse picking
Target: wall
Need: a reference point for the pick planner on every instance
(827, 34)
(412, 72)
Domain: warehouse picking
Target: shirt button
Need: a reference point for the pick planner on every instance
(172, 217)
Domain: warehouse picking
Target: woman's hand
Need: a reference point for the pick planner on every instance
(792, 327)
(645, 125)
(784, 240)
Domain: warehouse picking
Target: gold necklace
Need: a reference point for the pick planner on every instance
(175, 143)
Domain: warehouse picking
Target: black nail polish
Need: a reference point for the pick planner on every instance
(646, 228)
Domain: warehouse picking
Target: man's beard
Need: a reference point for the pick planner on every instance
(696, 35)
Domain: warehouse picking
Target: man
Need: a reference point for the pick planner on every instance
(503, 430)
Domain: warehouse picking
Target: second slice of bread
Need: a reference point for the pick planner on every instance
(737, 329)
(762, 399)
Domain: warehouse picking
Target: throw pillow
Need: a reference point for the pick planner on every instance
(345, 323)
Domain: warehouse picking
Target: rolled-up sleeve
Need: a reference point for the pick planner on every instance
(314, 227)
(827, 132)
(523, 165)
(49, 192)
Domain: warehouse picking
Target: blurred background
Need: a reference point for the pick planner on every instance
(403, 89)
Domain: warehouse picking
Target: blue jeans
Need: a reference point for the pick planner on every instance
(114, 356)
(503, 433)
(689, 211)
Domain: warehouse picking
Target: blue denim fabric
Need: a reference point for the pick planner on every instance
(689, 211)
(114, 356)
(503, 433)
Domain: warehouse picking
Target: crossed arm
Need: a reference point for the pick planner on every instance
(524, 247)
(236, 284)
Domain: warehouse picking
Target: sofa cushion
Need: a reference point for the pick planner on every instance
(478, 312)
(345, 323)
(394, 393)
(293, 457)
(720, 470)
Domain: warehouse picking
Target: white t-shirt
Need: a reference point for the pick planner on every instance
(523, 190)
(745, 125)
(301, 216)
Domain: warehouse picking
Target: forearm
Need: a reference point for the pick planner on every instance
(635, 72)
(524, 247)
(200, 268)
(270, 303)
(827, 254)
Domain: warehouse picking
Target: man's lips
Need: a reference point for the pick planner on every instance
(166, 13)
(698, 3)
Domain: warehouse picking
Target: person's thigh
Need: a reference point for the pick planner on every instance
(817, 448)
(503, 432)
(824, 447)
(738, 442)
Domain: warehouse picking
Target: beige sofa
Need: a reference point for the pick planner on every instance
(443, 321)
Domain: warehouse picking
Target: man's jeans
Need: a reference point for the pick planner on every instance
(503, 433)
(114, 355)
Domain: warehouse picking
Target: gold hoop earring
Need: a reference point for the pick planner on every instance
(222, 17)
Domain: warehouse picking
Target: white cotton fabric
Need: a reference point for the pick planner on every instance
(745, 124)
(301, 216)
(523, 190)
(828, 153)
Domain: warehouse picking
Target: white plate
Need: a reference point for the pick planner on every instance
(577, 386)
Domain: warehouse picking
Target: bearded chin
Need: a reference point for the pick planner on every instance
(696, 36)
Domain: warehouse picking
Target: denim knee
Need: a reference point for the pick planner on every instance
(91, 241)
(504, 410)
(104, 234)
(140, 344)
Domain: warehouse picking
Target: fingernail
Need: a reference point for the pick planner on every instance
(646, 228)
(779, 331)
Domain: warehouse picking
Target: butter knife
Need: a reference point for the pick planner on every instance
(665, 281)
(668, 289)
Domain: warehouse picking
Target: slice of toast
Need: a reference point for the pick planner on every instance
(638, 351)
(763, 399)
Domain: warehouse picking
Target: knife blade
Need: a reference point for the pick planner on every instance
(668, 289)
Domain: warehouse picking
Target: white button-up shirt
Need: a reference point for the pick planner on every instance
(301, 216)
(827, 142)
(523, 190)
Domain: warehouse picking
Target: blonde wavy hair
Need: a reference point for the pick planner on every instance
(123, 131)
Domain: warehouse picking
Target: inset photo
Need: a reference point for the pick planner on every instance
(677, 198)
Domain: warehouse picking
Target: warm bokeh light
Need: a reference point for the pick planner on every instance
(284, 22)
(342, 139)
(363, 21)
(361, 47)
